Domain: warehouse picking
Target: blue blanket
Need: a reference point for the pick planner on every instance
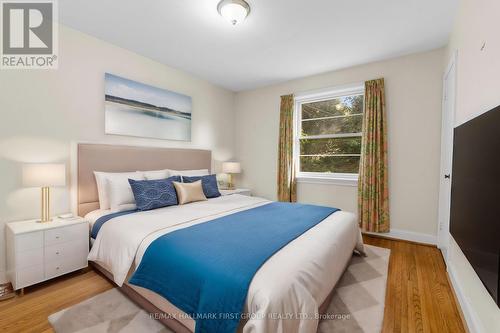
(206, 269)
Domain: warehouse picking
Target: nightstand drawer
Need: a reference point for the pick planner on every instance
(60, 267)
(28, 276)
(74, 250)
(29, 241)
(29, 258)
(65, 234)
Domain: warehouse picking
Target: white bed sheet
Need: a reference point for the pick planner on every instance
(93, 216)
(285, 293)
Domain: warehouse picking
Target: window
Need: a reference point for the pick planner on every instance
(327, 141)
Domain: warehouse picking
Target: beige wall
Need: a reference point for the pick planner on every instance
(43, 111)
(478, 90)
(478, 71)
(413, 88)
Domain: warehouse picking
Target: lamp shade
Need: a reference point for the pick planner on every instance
(231, 167)
(41, 175)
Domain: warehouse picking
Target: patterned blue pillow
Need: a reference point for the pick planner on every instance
(152, 194)
(209, 184)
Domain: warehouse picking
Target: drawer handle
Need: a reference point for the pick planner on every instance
(57, 237)
(57, 252)
(57, 268)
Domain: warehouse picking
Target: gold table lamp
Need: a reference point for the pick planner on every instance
(44, 176)
(231, 168)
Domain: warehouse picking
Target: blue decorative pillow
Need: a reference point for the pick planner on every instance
(209, 184)
(152, 194)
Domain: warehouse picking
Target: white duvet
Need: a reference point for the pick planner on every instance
(285, 293)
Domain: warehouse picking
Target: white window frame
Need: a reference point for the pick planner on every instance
(347, 179)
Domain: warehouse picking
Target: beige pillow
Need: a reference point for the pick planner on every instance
(189, 192)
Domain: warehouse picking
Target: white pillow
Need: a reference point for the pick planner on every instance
(189, 173)
(156, 174)
(120, 193)
(101, 179)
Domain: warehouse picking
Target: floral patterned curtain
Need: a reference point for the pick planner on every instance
(373, 191)
(286, 170)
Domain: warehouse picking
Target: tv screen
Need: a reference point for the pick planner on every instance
(475, 196)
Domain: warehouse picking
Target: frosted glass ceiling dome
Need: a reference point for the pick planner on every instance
(234, 11)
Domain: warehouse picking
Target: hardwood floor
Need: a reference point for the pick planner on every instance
(419, 298)
(29, 313)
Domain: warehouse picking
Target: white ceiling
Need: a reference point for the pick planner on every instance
(280, 40)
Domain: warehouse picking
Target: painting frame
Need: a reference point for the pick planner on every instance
(133, 108)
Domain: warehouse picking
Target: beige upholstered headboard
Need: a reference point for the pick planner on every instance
(110, 158)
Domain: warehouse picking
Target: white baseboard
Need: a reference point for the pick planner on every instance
(407, 235)
(469, 313)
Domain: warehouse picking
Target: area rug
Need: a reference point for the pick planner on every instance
(359, 297)
(357, 304)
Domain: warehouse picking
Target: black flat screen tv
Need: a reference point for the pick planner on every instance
(475, 196)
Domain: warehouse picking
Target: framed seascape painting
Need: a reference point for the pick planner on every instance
(137, 109)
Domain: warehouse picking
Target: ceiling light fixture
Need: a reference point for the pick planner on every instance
(234, 11)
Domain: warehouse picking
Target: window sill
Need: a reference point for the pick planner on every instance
(341, 181)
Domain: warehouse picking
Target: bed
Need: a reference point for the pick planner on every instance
(286, 294)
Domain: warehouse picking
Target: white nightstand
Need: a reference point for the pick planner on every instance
(41, 251)
(242, 191)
